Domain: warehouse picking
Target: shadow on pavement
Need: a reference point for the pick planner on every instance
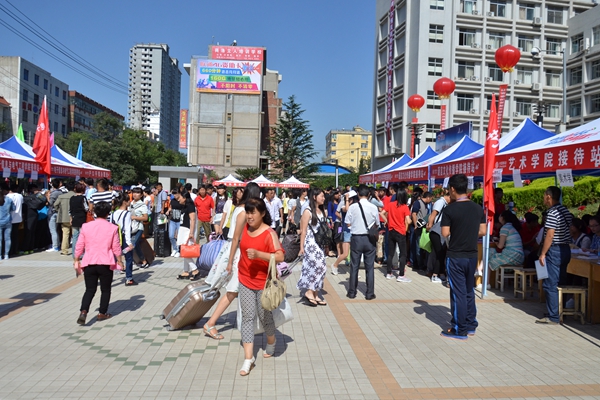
(437, 314)
(26, 300)
(133, 304)
(6, 276)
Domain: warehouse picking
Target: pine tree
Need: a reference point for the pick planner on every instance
(292, 149)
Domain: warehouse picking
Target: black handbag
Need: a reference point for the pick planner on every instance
(323, 233)
(373, 231)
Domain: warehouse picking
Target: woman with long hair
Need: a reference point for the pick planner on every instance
(509, 250)
(313, 262)
(223, 227)
(438, 244)
(186, 234)
(258, 243)
(122, 217)
(398, 219)
(78, 208)
(6, 206)
(228, 259)
(344, 246)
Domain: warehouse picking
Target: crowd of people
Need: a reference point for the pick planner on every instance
(397, 226)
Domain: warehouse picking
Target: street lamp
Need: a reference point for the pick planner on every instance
(536, 51)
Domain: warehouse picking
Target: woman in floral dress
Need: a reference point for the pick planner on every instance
(313, 263)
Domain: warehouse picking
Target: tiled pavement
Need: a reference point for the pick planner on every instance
(351, 349)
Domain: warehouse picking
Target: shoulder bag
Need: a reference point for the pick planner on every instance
(275, 290)
(373, 231)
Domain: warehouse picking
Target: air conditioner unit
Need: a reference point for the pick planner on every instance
(488, 79)
(535, 86)
(491, 14)
(475, 12)
(516, 114)
(517, 82)
(473, 111)
(537, 21)
(475, 45)
(473, 78)
(487, 112)
(488, 46)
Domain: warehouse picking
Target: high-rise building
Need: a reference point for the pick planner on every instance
(458, 39)
(583, 90)
(154, 88)
(348, 147)
(82, 111)
(24, 85)
(233, 108)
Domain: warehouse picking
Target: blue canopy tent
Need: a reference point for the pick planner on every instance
(402, 161)
(389, 175)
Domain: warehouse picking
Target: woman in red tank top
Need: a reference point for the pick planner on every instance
(257, 243)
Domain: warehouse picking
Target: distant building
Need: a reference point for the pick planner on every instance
(82, 111)
(348, 147)
(24, 85)
(154, 88)
(583, 80)
(233, 108)
(4, 118)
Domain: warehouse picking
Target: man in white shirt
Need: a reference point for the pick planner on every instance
(360, 245)
(16, 217)
(275, 208)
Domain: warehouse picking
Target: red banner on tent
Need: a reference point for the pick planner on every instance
(443, 117)
(492, 144)
(501, 101)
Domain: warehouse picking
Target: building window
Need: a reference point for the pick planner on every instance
(526, 11)
(576, 43)
(363, 153)
(46, 84)
(468, 6)
(555, 15)
(436, 33)
(525, 43)
(24, 116)
(525, 75)
(64, 94)
(56, 91)
(435, 67)
(433, 102)
(25, 74)
(466, 37)
(596, 35)
(56, 127)
(25, 95)
(523, 106)
(553, 46)
(466, 69)
(431, 131)
(364, 137)
(64, 112)
(553, 111)
(464, 102)
(56, 109)
(228, 138)
(495, 73)
(364, 145)
(595, 103)
(36, 117)
(63, 129)
(496, 40)
(352, 144)
(595, 73)
(333, 136)
(228, 159)
(498, 7)
(36, 99)
(553, 78)
(332, 153)
(576, 75)
(332, 144)
(575, 108)
(352, 160)
(436, 4)
(36, 80)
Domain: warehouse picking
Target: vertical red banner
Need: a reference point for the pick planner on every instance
(390, 73)
(443, 117)
(501, 100)
(183, 118)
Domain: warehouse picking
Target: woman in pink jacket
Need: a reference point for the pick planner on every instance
(99, 245)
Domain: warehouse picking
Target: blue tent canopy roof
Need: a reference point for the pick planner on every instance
(402, 161)
(424, 156)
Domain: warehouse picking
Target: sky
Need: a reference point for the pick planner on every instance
(324, 50)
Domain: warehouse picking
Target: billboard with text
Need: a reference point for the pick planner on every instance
(229, 76)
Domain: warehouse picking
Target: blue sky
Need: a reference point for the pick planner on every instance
(323, 49)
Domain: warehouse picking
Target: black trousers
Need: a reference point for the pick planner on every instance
(438, 252)
(14, 238)
(360, 245)
(91, 274)
(396, 238)
(30, 232)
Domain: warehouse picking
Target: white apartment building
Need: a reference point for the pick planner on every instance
(458, 39)
(154, 84)
(583, 90)
(24, 85)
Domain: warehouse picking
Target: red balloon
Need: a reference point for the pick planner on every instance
(444, 87)
(507, 57)
(415, 102)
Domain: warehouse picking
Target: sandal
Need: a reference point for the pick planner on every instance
(207, 332)
(311, 302)
(270, 350)
(183, 276)
(195, 277)
(247, 366)
(321, 302)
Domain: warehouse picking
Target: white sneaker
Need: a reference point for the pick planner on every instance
(334, 271)
(176, 254)
(173, 253)
(403, 279)
(570, 303)
(390, 276)
(6, 257)
(51, 250)
(436, 279)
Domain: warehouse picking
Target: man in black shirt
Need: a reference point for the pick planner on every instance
(462, 224)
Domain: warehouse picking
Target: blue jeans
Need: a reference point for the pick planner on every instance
(461, 278)
(75, 233)
(53, 230)
(557, 259)
(135, 239)
(6, 231)
(173, 228)
(415, 250)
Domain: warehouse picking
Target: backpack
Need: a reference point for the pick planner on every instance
(323, 233)
(119, 224)
(291, 247)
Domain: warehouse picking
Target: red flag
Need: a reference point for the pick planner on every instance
(489, 161)
(41, 143)
(52, 140)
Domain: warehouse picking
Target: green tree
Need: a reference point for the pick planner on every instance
(364, 165)
(247, 174)
(292, 149)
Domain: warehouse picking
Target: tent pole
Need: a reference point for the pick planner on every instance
(485, 260)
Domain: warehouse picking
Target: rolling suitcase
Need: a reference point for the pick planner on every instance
(147, 251)
(162, 244)
(192, 303)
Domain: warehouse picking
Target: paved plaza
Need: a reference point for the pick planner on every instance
(388, 348)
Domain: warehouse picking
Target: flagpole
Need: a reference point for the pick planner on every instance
(486, 257)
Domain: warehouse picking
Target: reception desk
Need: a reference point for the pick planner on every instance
(589, 269)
